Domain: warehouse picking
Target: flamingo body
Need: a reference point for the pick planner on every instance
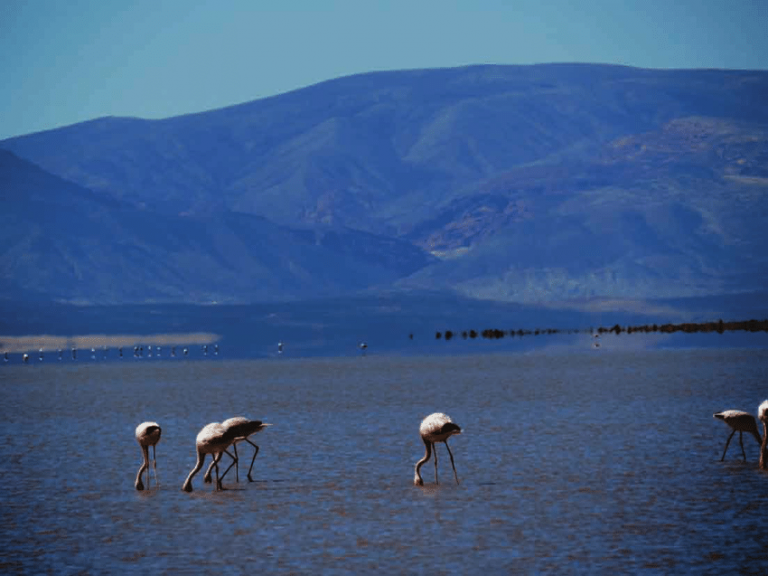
(762, 414)
(437, 427)
(147, 434)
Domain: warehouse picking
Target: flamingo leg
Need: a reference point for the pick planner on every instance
(237, 465)
(452, 464)
(208, 472)
(256, 453)
(216, 459)
(435, 447)
(154, 465)
(741, 441)
(234, 461)
(726, 445)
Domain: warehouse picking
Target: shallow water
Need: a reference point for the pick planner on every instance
(570, 463)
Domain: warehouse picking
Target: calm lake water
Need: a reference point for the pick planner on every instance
(593, 462)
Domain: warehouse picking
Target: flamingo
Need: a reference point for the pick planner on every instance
(436, 427)
(762, 414)
(147, 434)
(739, 422)
(244, 428)
(213, 439)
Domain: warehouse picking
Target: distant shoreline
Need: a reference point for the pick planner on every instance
(46, 342)
(688, 327)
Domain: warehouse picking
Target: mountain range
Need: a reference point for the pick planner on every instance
(506, 183)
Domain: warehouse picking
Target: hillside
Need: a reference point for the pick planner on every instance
(528, 183)
(62, 242)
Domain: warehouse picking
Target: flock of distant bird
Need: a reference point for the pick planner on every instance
(138, 352)
(744, 422)
(215, 438)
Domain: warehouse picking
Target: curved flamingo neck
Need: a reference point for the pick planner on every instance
(764, 447)
(144, 466)
(417, 477)
(187, 487)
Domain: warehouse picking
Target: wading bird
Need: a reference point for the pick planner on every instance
(244, 428)
(213, 439)
(147, 434)
(739, 422)
(762, 414)
(435, 428)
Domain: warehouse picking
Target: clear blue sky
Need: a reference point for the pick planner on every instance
(65, 61)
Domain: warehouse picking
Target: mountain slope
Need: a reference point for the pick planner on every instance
(529, 182)
(62, 242)
(675, 211)
(344, 150)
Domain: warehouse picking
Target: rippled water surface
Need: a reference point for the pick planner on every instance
(569, 463)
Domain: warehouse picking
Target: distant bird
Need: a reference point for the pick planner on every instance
(61, 353)
(25, 357)
(74, 353)
(147, 434)
(279, 347)
(5, 357)
(762, 414)
(243, 428)
(213, 439)
(41, 354)
(363, 347)
(739, 422)
(436, 427)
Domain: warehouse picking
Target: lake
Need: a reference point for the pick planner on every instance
(570, 462)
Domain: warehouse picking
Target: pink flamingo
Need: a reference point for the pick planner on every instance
(436, 427)
(739, 422)
(147, 434)
(244, 428)
(762, 414)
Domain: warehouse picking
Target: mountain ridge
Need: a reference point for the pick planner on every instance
(528, 183)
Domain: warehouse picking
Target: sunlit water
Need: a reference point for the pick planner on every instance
(570, 463)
